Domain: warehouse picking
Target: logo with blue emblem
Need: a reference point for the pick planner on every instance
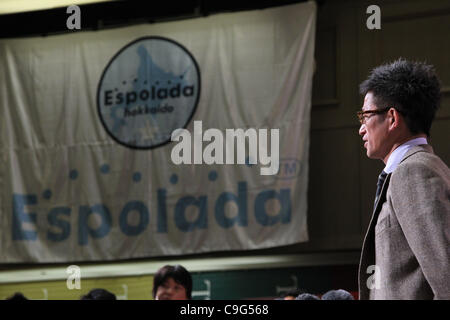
(149, 88)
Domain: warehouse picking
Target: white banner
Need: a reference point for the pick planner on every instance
(88, 170)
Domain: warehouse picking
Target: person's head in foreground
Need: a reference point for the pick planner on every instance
(307, 296)
(17, 296)
(339, 294)
(99, 294)
(172, 283)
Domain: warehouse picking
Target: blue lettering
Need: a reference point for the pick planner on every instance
(180, 218)
(240, 200)
(284, 199)
(63, 225)
(24, 223)
(20, 216)
(143, 218)
(162, 212)
(83, 228)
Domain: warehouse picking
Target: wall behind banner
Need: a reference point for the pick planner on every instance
(218, 285)
(342, 179)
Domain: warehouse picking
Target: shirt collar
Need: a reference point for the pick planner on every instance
(399, 152)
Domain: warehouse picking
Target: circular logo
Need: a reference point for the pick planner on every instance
(149, 88)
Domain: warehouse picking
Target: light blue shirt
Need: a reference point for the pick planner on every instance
(398, 154)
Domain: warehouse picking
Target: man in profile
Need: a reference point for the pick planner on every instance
(407, 243)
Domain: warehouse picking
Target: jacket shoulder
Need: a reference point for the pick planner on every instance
(421, 160)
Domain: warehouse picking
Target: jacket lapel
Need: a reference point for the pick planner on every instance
(368, 249)
(381, 198)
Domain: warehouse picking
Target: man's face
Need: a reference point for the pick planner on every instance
(374, 130)
(171, 290)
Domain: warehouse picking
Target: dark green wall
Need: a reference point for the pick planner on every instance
(271, 283)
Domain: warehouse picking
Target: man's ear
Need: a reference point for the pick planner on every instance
(394, 118)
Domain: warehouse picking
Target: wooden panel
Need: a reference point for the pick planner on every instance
(333, 201)
(440, 139)
(416, 30)
(334, 89)
(424, 38)
(325, 78)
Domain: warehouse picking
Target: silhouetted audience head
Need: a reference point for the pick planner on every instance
(172, 283)
(99, 294)
(18, 296)
(307, 296)
(338, 295)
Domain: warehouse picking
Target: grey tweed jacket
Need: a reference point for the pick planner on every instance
(406, 250)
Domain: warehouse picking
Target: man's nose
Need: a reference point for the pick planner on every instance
(169, 290)
(362, 129)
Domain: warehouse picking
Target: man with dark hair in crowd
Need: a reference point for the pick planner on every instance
(172, 283)
(99, 294)
(406, 250)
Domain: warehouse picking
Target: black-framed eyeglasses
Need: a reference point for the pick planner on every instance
(363, 115)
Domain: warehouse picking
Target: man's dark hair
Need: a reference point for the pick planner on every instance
(338, 295)
(178, 273)
(99, 294)
(412, 88)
